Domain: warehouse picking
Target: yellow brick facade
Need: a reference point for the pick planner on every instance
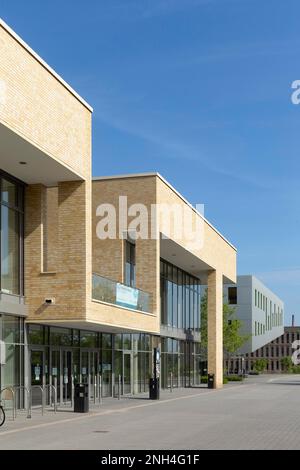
(62, 248)
(217, 253)
(38, 107)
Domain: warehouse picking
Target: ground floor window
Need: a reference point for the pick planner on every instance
(112, 363)
(132, 363)
(181, 363)
(12, 336)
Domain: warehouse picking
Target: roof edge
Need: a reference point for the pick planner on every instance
(158, 175)
(12, 33)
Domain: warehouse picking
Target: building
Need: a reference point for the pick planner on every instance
(275, 350)
(260, 310)
(74, 306)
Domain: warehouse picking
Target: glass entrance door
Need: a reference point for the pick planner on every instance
(55, 372)
(61, 374)
(90, 367)
(37, 375)
(94, 375)
(67, 379)
(127, 373)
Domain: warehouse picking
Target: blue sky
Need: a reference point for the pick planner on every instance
(198, 90)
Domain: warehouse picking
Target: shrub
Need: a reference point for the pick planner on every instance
(260, 365)
(235, 378)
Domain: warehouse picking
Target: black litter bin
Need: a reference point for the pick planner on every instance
(211, 380)
(154, 389)
(81, 398)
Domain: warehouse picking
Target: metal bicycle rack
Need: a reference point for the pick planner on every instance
(100, 389)
(51, 395)
(28, 399)
(13, 399)
(38, 387)
(17, 389)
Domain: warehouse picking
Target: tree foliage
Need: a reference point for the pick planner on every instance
(260, 365)
(287, 364)
(232, 337)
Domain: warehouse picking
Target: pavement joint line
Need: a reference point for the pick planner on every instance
(121, 410)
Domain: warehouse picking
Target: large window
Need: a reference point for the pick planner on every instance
(11, 237)
(180, 298)
(12, 334)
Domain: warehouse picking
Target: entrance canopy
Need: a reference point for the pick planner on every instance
(29, 163)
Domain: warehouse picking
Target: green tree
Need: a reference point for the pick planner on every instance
(287, 364)
(260, 365)
(232, 337)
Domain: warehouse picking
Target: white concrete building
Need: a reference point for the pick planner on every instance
(260, 310)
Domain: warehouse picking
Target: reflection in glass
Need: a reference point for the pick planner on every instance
(8, 192)
(10, 251)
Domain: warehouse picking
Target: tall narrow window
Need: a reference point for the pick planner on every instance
(11, 238)
(50, 229)
(232, 295)
(130, 264)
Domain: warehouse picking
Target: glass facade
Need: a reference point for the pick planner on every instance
(132, 363)
(12, 334)
(180, 298)
(11, 237)
(62, 357)
(181, 360)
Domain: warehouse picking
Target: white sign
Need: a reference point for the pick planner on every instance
(127, 296)
(37, 372)
(2, 353)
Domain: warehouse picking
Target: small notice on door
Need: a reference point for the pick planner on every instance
(37, 372)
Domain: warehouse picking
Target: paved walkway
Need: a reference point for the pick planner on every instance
(261, 413)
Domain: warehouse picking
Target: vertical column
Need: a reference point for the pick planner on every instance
(74, 248)
(215, 326)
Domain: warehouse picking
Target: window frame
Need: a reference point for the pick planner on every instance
(18, 208)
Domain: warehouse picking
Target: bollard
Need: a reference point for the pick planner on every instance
(171, 382)
(119, 388)
(100, 389)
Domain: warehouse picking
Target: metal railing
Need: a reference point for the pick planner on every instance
(113, 292)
